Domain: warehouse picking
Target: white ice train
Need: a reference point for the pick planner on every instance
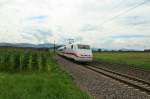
(77, 52)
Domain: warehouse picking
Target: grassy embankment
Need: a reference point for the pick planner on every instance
(33, 74)
(135, 59)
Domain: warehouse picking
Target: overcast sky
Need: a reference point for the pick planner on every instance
(101, 23)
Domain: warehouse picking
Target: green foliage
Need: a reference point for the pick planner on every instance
(33, 74)
(16, 60)
(135, 59)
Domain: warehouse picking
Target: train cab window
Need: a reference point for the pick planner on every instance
(83, 47)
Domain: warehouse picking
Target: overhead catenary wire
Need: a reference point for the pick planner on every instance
(126, 11)
(122, 13)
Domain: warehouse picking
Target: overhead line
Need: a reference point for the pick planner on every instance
(116, 16)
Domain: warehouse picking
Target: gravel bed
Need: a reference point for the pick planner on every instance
(99, 86)
(139, 73)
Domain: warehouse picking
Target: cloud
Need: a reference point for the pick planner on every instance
(39, 19)
(89, 21)
(41, 35)
(135, 20)
(130, 36)
(43, 32)
(88, 27)
(132, 43)
(126, 41)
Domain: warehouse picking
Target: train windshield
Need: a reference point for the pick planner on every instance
(83, 47)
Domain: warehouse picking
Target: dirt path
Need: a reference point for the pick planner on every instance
(99, 86)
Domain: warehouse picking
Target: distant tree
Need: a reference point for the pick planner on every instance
(113, 50)
(120, 50)
(147, 50)
(99, 50)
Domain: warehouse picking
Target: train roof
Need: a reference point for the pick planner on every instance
(73, 44)
(77, 44)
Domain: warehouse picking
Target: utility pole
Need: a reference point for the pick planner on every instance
(54, 47)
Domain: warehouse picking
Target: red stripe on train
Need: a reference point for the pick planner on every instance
(76, 55)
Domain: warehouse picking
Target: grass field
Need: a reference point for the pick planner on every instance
(135, 59)
(33, 74)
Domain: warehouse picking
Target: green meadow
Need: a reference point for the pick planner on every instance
(34, 74)
(135, 59)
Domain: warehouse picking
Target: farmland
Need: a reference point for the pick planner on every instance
(34, 74)
(135, 59)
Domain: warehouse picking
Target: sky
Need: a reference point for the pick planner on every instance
(111, 24)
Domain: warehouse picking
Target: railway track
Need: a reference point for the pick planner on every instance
(137, 83)
(110, 64)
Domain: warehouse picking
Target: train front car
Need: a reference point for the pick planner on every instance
(83, 53)
(77, 52)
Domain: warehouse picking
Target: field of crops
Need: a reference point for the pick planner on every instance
(135, 59)
(28, 60)
(34, 74)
